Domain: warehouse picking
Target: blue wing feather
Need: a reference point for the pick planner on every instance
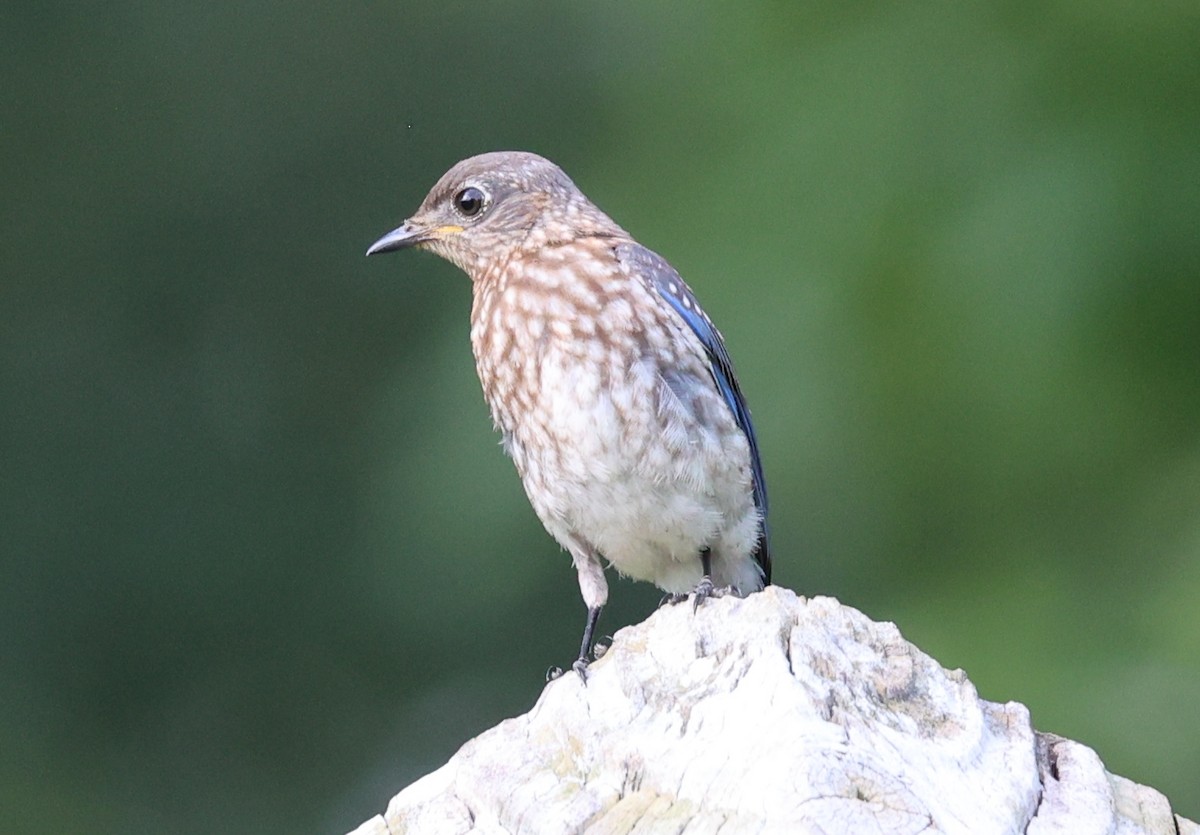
(662, 278)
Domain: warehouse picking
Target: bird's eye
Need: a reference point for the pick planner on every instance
(469, 201)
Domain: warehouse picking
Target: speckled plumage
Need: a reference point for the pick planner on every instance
(613, 391)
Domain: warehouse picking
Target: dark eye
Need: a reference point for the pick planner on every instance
(469, 201)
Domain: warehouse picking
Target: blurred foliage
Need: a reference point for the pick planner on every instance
(263, 560)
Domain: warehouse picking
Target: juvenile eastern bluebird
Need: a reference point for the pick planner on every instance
(613, 391)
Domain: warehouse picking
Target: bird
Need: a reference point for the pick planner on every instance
(612, 390)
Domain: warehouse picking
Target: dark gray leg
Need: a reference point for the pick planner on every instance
(585, 648)
(704, 589)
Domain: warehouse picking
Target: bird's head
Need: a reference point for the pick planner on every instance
(488, 206)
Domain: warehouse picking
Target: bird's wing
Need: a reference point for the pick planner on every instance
(662, 279)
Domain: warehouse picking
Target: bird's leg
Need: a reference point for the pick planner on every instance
(594, 589)
(705, 589)
(585, 648)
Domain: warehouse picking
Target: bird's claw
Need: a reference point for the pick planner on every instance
(581, 667)
(704, 590)
(672, 599)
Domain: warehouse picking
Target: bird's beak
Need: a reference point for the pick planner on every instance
(406, 235)
(410, 234)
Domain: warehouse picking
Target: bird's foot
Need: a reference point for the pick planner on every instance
(704, 590)
(585, 647)
(672, 599)
(601, 647)
(580, 667)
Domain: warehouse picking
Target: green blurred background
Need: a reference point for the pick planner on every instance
(263, 560)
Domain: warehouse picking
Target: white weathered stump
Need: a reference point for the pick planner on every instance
(772, 713)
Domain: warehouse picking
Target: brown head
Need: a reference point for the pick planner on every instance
(489, 206)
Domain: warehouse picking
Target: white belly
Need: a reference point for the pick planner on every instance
(641, 477)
